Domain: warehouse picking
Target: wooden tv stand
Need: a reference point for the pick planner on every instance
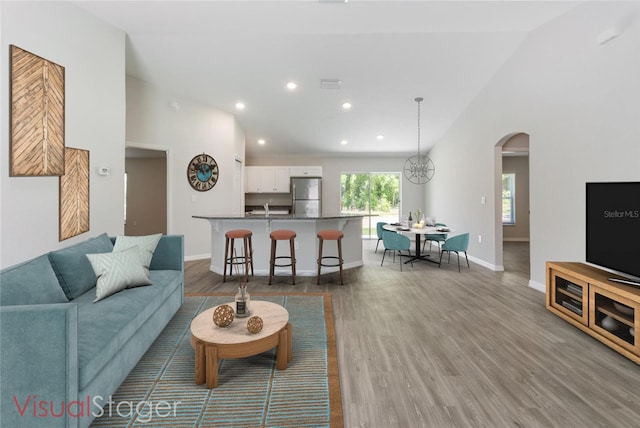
(584, 296)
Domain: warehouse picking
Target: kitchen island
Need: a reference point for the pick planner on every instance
(306, 242)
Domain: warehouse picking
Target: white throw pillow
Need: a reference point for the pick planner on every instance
(117, 270)
(146, 245)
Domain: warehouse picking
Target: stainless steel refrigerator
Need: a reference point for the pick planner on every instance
(307, 196)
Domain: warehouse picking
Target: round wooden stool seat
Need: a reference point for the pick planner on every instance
(238, 234)
(230, 257)
(282, 235)
(329, 235)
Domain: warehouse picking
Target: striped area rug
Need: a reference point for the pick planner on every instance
(251, 392)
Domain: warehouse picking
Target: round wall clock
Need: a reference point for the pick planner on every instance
(202, 172)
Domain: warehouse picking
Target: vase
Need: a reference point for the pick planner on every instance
(242, 301)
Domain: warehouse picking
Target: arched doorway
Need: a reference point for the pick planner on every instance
(512, 208)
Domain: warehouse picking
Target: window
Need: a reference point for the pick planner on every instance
(376, 195)
(509, 198)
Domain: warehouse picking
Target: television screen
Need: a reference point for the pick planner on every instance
(613, 226)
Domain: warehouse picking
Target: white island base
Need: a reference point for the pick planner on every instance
(306, 242)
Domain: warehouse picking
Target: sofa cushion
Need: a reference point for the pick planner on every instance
(146, 245)
(72, 266)
(104, 327)
(118, 270)
(30, 283)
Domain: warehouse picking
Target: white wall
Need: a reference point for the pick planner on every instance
(412, 195)
(578, 101)
(93, 54)
(188, 131)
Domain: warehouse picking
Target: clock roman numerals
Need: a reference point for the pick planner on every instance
(202, 172)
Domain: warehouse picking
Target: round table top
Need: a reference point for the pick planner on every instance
(427, 230)
(274, 318)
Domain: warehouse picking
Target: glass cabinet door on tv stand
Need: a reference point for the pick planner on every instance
(615, 317)
(569, 295)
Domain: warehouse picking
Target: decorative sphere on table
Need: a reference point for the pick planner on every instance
(223, 315)
(254, 325)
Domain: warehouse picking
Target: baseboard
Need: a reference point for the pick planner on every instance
(537, 286)
(197, 257)
(488, 265)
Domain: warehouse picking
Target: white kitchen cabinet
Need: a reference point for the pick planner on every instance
(282, 180)
(305, 171)
(253, 179)
(267, 179)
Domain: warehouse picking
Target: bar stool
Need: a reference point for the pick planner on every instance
(330, 235)
(247, 252)
(283, 235)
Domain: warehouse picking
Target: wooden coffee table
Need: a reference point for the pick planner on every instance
(211, 342)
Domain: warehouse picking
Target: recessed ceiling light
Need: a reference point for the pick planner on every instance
(261, 141)
(291, 85)
(346, 105)
(240, 105)
(344, 142)
(380, 137)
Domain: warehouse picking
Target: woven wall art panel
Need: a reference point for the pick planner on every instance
(74, 194)
(37, 115)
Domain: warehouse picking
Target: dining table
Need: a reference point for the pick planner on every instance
(418, 232)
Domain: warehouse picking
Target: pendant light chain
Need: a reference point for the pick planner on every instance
(418, 100)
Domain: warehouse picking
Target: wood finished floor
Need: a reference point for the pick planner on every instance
(430, 347)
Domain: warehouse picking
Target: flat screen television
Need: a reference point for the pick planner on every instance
(613, 228)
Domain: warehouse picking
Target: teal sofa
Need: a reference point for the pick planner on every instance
(62, 356)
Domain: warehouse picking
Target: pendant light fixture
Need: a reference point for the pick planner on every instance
(418, 168)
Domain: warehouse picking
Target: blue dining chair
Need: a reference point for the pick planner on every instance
(435, 237)
(395, 242)
(379, 230)
(456, 244)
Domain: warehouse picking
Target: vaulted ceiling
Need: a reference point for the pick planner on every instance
(384, 53)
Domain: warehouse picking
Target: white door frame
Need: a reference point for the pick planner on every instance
(169, 160)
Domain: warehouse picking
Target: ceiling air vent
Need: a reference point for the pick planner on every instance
(330, 83)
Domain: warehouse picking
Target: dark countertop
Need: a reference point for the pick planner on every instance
(277, 217)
